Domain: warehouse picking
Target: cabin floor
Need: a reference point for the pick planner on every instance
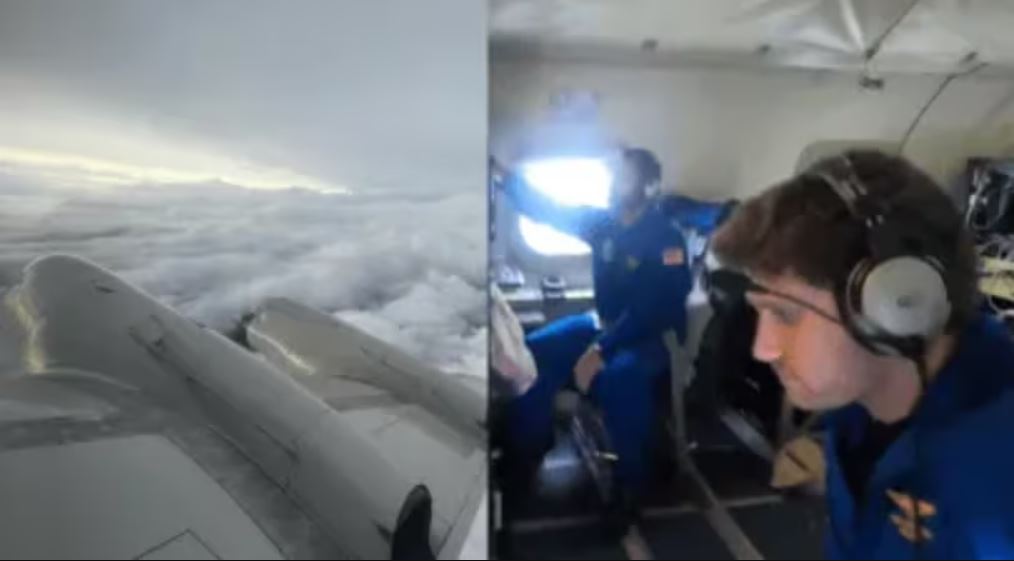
(561, 520)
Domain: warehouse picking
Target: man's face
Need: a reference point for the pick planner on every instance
(625, 190)
(821, 366)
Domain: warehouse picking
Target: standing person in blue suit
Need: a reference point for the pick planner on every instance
(641, 281)
(865, 284)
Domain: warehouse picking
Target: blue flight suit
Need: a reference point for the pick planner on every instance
(963, 463)
(641, 282)
(704, 217)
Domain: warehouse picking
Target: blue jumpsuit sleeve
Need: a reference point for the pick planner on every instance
(621, 333)
(582, 222)
(702, 216)
(656, 307)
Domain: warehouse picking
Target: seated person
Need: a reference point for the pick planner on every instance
(641, 282)
(864, 280)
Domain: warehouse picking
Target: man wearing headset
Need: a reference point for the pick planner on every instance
(641, 282)
(864, 281)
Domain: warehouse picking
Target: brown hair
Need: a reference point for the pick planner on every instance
(803, 227)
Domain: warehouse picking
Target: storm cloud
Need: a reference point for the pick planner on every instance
(409, 270)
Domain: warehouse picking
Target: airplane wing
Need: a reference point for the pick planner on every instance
(127, 430)
(426, 423)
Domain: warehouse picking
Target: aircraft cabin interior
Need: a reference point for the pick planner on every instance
(731, 107)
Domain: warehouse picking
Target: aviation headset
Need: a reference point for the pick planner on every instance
(894, 300)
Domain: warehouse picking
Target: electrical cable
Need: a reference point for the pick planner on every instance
(980, 217)
(929, 104)
(874, 48)
(1000, 247)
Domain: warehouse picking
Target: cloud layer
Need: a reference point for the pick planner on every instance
(411, 272)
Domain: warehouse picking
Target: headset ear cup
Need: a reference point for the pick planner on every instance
(893, 302)
(905, 297)
(856, 287)
(849, 296)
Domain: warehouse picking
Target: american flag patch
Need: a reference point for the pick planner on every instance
(672, 256)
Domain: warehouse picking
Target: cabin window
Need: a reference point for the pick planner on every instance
(569, 182)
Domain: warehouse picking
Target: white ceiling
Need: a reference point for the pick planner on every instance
(934, 36)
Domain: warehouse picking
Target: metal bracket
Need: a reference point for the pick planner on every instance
(718, 517)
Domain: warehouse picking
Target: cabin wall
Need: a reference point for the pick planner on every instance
(730, 132)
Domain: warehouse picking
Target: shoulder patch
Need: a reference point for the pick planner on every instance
(905, 520)
(673, 256)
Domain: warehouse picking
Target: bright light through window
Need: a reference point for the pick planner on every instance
(547, 240)
(570, 182)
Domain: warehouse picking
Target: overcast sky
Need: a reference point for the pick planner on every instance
(375, 94)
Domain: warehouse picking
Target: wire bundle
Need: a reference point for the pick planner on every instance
(1000, 247)
(991, 200)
